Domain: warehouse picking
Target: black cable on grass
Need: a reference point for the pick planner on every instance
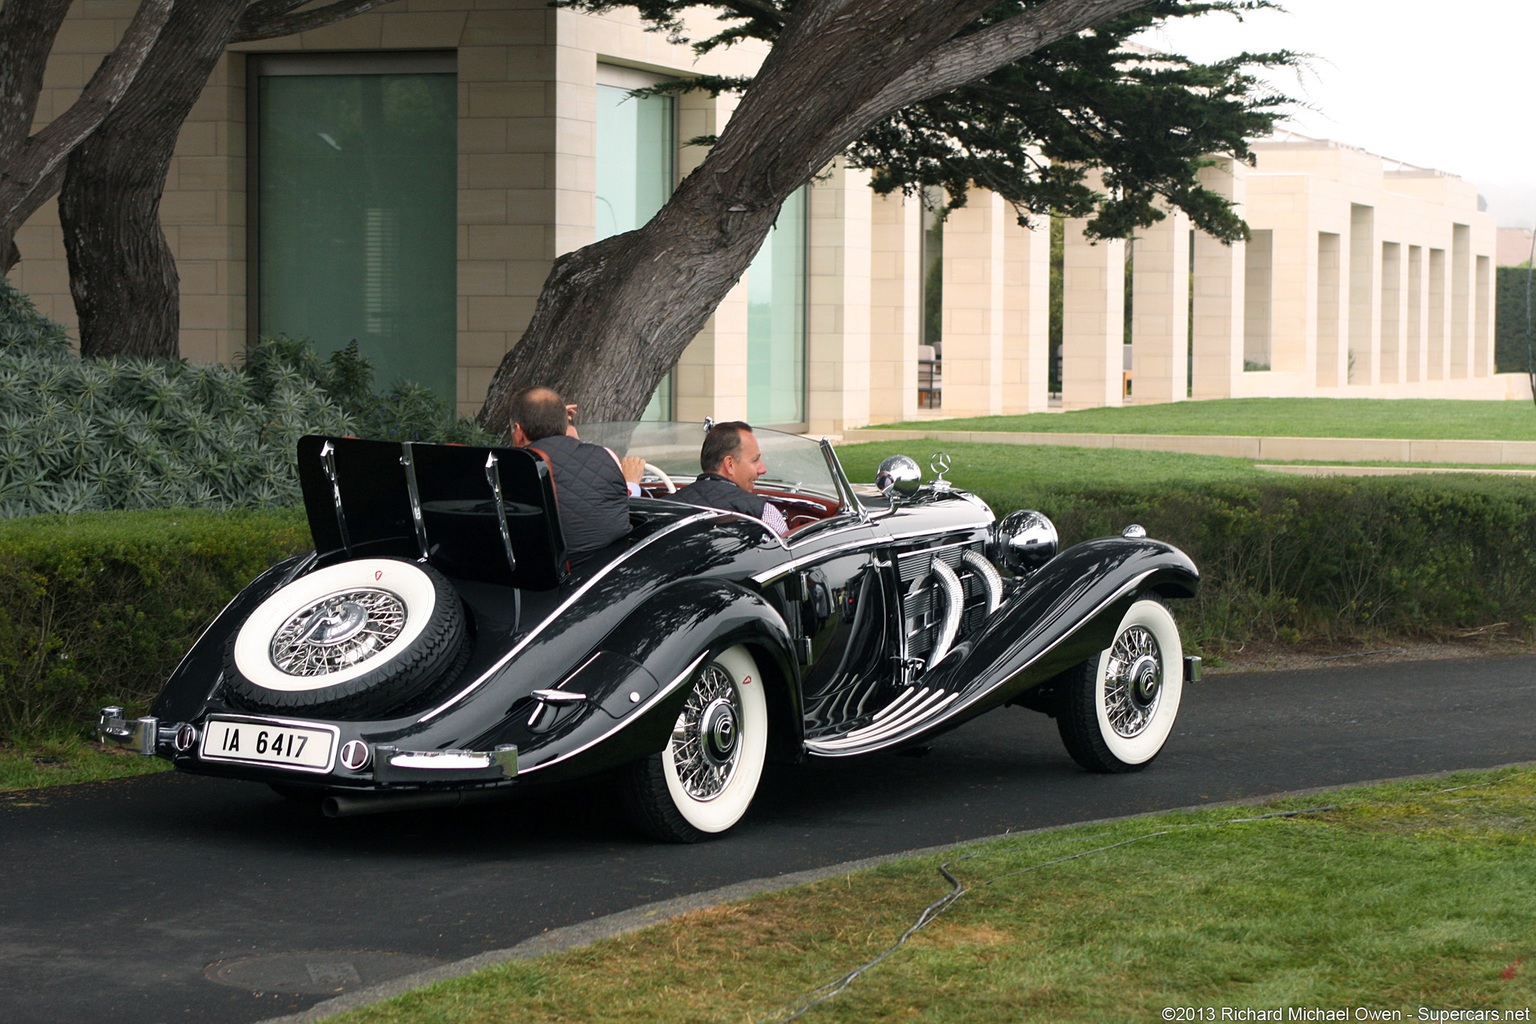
(931, 913)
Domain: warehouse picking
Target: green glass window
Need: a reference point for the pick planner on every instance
(635, 146)
(776, 321)
(356, 217)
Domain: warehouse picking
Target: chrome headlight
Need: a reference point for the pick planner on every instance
(1023, 541)
(899, 473)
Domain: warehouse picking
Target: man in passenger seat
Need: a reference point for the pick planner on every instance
(732, 460)
(590, 487)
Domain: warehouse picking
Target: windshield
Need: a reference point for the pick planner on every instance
(794, 463)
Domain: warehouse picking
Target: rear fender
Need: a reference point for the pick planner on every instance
(659, 646)
(1062, 614)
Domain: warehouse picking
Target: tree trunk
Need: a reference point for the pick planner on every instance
(122, 273)
(31, 168)
(615, 316)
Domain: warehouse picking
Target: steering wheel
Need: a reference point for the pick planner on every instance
(661, 475)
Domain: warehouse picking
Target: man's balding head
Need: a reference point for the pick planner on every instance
(537, 413)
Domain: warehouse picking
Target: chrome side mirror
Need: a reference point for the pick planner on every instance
(1023, 541)
(899, 474)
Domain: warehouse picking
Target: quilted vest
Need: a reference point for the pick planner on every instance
(716, 491)
(590, 491)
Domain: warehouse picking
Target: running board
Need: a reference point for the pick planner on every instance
(915, 708)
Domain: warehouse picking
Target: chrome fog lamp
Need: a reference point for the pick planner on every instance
(900, 474)
(1023, 541)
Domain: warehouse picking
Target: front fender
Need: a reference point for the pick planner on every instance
(1062, 614)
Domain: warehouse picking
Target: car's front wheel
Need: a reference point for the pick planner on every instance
(1118, 708)
(702, 782)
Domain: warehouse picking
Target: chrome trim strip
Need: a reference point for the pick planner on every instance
(894, 706)
(785, 568)
(493, 477)
(930, 707)
(413, 495)
(456, 760)
(633, 716)
(328, 460)
(950, 709)
(525, 641)
(979, 524)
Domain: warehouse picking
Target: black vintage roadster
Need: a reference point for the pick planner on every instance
(438, 647)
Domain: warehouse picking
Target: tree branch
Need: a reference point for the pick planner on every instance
(268, 19)
(34, 175)
(27, 32)
(757, 10)
(968, 58)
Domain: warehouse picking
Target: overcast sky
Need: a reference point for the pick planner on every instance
(1445, 85)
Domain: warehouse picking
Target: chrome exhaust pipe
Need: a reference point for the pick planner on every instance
(344, 805)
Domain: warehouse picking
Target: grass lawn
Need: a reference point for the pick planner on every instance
(57, 762)
(997, 470)
(1414, 418)
(1387, 898)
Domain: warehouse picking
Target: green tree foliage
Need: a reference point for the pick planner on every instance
(81, 435)
(1033, 130)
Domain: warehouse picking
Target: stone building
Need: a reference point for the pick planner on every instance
(406, 178)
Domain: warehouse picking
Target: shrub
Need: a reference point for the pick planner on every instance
(97, 609)
(83, 435)
(1334, 558)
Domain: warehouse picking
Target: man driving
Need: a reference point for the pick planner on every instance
(732, 460)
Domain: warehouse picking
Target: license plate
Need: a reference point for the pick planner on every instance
(283, 744)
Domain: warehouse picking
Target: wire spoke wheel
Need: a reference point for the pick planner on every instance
(1117, 709)
(705, 740)
(339, 631)
(1133, 682)
(701, 784)
(358, 638)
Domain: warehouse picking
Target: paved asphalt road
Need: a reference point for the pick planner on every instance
(119, 898)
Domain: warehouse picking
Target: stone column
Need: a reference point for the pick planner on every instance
(1026, 314)
(837, 298)
(1218, 294)
(973, 306)
(1160, 311)
(895, 307)
(1092, 320)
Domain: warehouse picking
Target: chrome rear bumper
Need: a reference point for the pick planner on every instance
(141, 735)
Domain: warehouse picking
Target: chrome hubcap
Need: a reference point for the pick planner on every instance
(337, 632)
(706, 739)
(1133, 683)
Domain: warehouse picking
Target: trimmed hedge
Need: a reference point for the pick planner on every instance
(97, 609)
(1336, 558)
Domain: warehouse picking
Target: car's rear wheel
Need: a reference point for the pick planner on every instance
(702, 782)
(1117, 709)
(352, 640)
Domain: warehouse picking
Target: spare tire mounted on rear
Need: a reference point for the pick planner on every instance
(352, 640)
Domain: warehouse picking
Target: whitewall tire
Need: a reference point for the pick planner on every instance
(353, 639)
(704, 780)
(1117, 709)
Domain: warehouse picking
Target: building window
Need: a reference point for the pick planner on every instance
(355, 195)
(776, 321)
(636, 146)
